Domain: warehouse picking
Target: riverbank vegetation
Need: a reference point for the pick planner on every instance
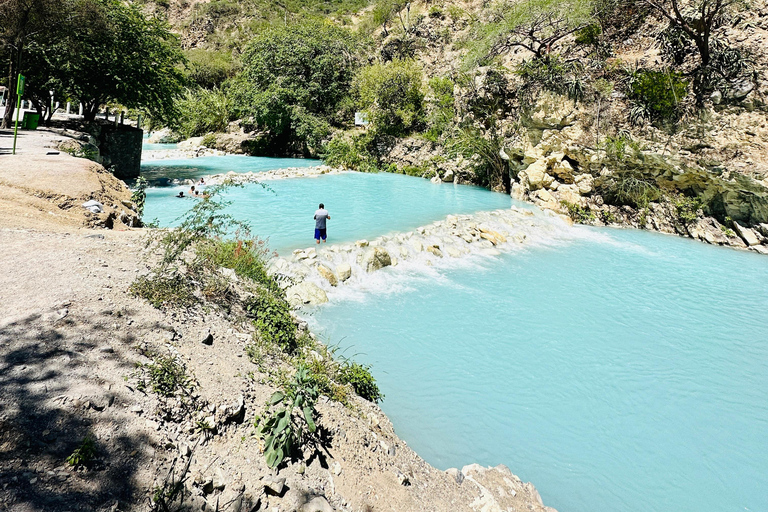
(211, 261)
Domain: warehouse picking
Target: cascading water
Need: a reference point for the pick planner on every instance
(615, 369)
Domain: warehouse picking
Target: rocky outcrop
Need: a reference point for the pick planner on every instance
(376, 259)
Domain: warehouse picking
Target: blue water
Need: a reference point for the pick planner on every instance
(617, 370)
(621, 371)
(147, 146)
(361, 205)
(164, 171)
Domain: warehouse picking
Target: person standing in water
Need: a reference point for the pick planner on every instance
(321, 215)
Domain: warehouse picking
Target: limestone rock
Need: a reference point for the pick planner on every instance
(434, 249)
(375, 259)
(344, 271)
(317, 504)
(327, 274)
(448, 177)
(746, 234)
(536, 175)
(274, 486)
(305, 293)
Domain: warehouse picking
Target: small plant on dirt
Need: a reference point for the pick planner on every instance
(167, 376)
(578, 213)
(272, 318)
(359, 376)
(139, 195)
(160, 290)
(169, 496)
(83, 454)
(608, 217)
(290, 418)
(659, 92)
(686, 208)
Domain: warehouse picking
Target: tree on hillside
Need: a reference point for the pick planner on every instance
(294, 80)
(538, 26)
(694, 23)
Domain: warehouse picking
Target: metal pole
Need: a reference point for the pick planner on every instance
(16, 126)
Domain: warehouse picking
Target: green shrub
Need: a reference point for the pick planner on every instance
(578, 213)
(391, 96)
(246, 257)
(83, 454)
(359, 376)
(618, 147)
(351, 152)
(589, 35)
(167, 376)
(209, 141)
(203, 111)
(139, 194)
(552, 74)
(164, 290)
(686, 208)
(273, 320)
(629, 188)
(659, 93)
(289, 419)
(439, 107)
(436, 11)
(209, 68)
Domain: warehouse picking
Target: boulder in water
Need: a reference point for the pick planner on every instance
(375, 259)
(344, 271)
(327, 274)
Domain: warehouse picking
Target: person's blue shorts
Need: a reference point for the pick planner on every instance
(320, 233)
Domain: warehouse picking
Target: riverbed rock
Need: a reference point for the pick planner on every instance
(375, 259)
(746, 234)
(434, 249)
(328, 275)
(305, 293)
(344, 271)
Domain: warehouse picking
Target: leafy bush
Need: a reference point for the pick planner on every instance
(203, 111)
(209, 141)
(391, 96)
(578, 213)
(440, 111)
(686, 208)
(359, 376)
(552, 74)
(351, 152)
(484, 148)
(209, 68)
(660, 92)
(246, 257)
(84, 453)
(166, 376)
(164, 290)
(589, 35)
(618, 147)
(293, 80)
(272, 318)
(292, 421)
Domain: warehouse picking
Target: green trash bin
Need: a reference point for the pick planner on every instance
(30, 121)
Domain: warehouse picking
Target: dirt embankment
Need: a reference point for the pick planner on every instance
(42, 187)
(73, 340)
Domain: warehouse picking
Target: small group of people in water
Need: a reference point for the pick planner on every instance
(321, 215)
(196, 192)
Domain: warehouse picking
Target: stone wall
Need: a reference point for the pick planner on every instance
(120, 148)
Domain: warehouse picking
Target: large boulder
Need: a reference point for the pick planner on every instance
(328, 275)
(305, 293)
(344, 271)
(376, 258)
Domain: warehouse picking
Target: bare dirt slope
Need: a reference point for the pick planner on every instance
(42, 187)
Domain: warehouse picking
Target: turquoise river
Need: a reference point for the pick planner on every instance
(617, 370)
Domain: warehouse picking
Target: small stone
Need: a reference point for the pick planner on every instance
(207, 339)
(219, 479)
(317, 504)
(434, 249)
(362, 243)
(274, 486)
(455, 474)
(336, 468)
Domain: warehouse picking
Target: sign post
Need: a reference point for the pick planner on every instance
(19, 92)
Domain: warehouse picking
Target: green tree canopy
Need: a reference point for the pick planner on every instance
(294, 79)
(391, 94)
